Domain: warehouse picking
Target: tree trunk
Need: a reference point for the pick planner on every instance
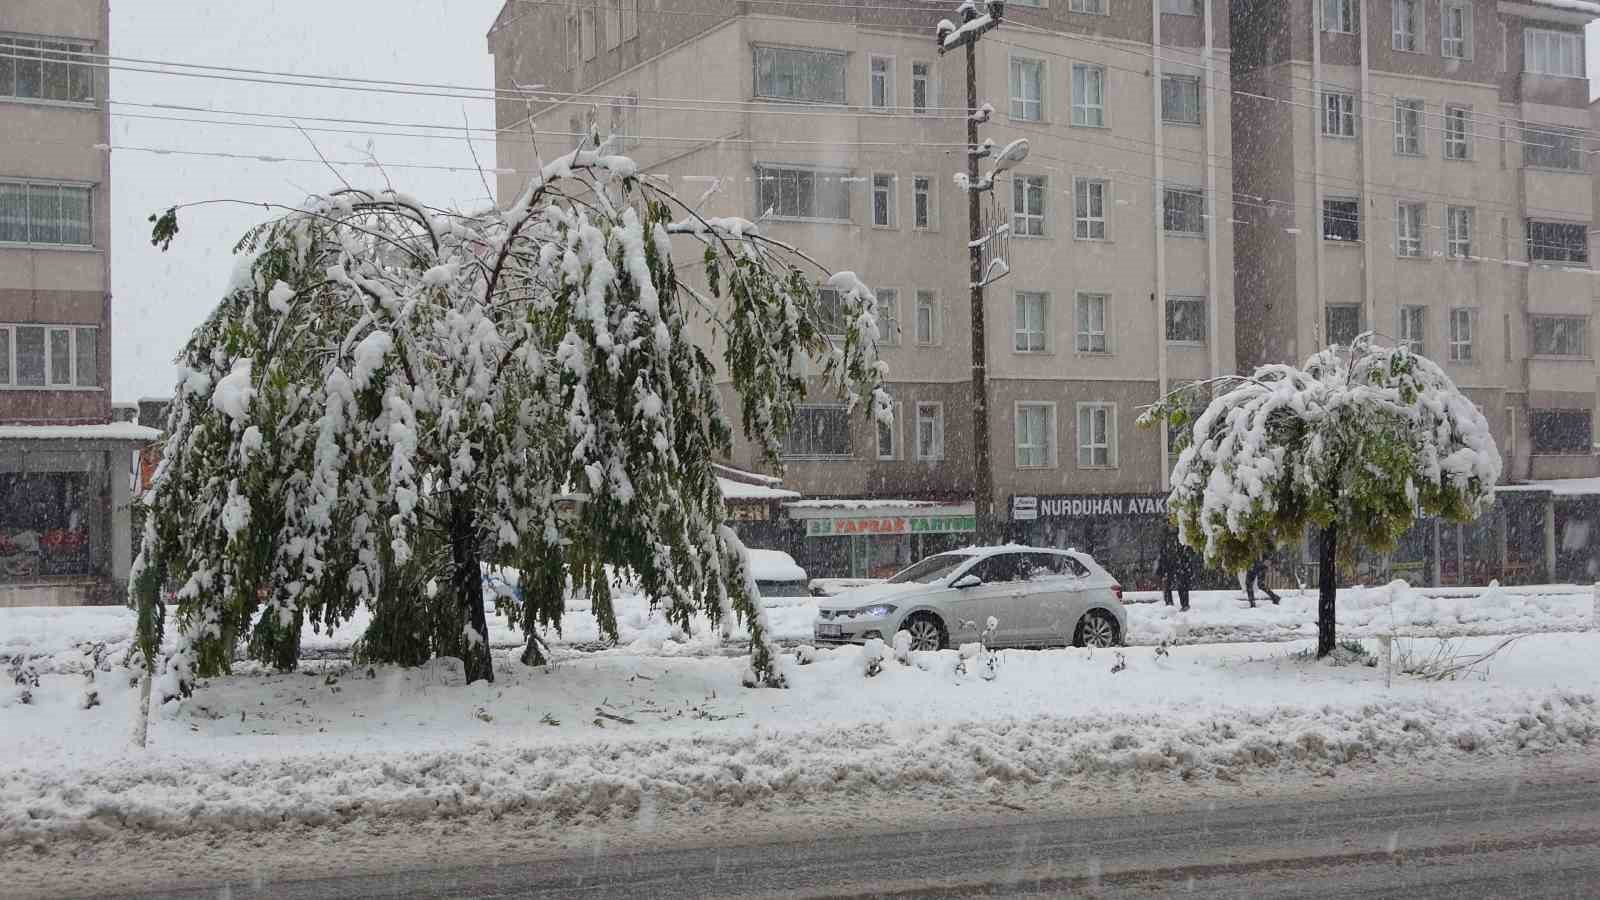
(466, 581)
(1328, 580)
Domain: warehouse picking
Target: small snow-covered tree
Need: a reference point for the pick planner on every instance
(391, 396)
(1358, 442)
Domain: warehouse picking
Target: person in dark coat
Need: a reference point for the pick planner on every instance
(1176, 566)
(1255, 577)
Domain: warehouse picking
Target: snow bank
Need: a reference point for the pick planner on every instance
(774, 565)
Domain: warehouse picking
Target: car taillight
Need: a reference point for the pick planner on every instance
(1116, 591)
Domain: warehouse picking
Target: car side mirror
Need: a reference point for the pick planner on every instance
(966, 581)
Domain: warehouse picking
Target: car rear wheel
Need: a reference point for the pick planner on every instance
(1096, 629)
(927, 632)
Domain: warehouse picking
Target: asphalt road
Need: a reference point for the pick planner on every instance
(1497, 839)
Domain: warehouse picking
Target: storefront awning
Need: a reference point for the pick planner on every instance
(109, 433)
(836, 517)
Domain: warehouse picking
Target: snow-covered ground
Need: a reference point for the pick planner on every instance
(604, 735)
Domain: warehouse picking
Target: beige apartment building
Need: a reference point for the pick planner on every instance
(64, 465)
(848, 126)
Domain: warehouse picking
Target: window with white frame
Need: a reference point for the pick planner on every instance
(35, 212)
(1461, 334)
(1408, 127)
(1183, 210)
(799, 193)
(1180, 99)
(1413, 327)
(1035, 435)
(1027, 205)
(1409, 220)
(1338, 114)
(1341, 219)
(819, 432)
(1546, 52)
(1458, 231)
(1339, 15)
(1455, 29)
(1457, 132)
(1552, 147)
(930, 431)
(613, 23)
(1097, 7)
(49, 356)
(588, 36)
(1088, 95)
(1186, 319)
(888, 315)
(630, 19)
(927, 318)
(831, 312)
(921, 86)
(46, 69)
(1097, 435)
(1343, 323)
(1092, 323)
(1560, 335)
(880, 92)
(883, 200)
(1558, 241)
(889, 435)
(1181, 7)
(1027, 89)
(1408, 25)
(1032, 317)
(922, 197)
(794, 73)
(625, 122)
(1089, 208)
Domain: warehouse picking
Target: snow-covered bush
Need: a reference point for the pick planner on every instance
(902, 647)
(872, 654)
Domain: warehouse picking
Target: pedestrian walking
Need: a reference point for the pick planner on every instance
(1256, 577)
(1176, 566)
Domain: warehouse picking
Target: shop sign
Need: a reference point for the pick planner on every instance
(853, 525)
(1087, 506)
(748, 512)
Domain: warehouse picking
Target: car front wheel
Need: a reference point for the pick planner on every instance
(1096, 629)
(927, 632)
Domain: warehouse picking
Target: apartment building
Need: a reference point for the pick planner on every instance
(845, 123)
(1422, 169)
(64, 464)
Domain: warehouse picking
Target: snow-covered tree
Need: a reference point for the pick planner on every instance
(1358, 442)
(391, 396)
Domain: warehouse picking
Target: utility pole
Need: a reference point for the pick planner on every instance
(973, 27)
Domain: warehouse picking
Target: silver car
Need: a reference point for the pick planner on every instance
(1039, 597)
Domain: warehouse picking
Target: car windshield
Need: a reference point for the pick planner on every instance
(931, 569)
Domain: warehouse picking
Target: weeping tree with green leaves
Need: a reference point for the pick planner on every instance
(1358, 443)
(391, 397)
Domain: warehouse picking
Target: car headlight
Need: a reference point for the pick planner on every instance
(876, 611)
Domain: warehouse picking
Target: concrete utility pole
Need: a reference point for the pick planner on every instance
(973, 27)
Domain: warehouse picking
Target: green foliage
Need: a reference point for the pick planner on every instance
(164, 227)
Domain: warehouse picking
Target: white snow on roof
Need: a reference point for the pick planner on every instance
(747, 476)
(738, 490)
(1582, 6)
(113, 431)
(1561, 487)
(774, 565)
(833, 503)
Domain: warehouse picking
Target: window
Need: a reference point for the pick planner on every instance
(921, 87)
(1186, 319)
(1341, 219)
(1561, 431)
(787, 73)
(1457, 132)
(1098, 7)
(574, 43)
(1458, 231)
(927, 318)
(1552, 52)
(35, 213)
(49, 356)
(613, 22)
(1339, 15)
(1092, 323)
(1036, 429)
(930, 431)
(1413, 320)
(1455, 29)
(922, 203)
(1338, 114)
(34, 69)
(1180, 99)
(1560, 336)
(1408, 225)
(1408, 127)
(881, 88)
(1408, 25)
(792, 193)
(1344, 322)
(1097, 429)
(1558, 242)
(888, 315)
(1027, 89)
(1550, 147)
(1183, 210)
(1089, 209)
(588, 36)
(883, 200)
(819, 432)
(1033, 308)
(630, 19)
(1088, 95)
(1027, 205)
(1461, 334)
(889, 436)
(625, 122)
(1181, 7)
(831, 311)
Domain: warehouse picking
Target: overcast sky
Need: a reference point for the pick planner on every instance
(161, 297)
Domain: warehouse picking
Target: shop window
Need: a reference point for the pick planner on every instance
(45, 521)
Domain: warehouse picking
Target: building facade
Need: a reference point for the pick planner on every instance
(840, 130)
(64, 463)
